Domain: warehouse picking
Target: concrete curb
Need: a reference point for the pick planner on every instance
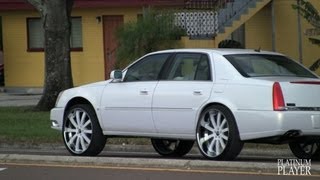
(242, 164)
(204, 165)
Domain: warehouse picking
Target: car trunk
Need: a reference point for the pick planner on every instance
(300, 93)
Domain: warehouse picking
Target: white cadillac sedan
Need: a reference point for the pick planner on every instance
(220, 98)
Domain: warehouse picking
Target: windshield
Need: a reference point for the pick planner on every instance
(258, 65)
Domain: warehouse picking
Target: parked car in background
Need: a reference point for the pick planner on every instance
(218, 98)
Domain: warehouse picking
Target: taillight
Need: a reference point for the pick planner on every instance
(277, 96)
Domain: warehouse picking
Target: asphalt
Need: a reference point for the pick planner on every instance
(251, 159)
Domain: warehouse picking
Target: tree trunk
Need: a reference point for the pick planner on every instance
(55, 16)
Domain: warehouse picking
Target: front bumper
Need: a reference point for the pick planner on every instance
(263, 124)
(56, 117)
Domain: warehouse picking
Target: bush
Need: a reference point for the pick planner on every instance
(154, 31)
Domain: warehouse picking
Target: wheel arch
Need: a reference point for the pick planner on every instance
(228, 107)
(77, 100)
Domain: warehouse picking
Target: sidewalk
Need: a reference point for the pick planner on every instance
(18, 99)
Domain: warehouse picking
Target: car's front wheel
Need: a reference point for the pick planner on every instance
(305, 150)
(81, 131)
(217, 134)
(172, 147)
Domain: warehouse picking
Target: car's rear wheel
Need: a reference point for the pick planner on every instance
(305, 150)
(81, 131)
(172, 147)
(217, 134)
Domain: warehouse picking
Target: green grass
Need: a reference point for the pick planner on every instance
(24, 125)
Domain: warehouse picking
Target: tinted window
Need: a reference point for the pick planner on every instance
(147, 69)
(189, 66)
(256, 65)
(203, 69)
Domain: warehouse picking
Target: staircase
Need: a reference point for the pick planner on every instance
(235, 13)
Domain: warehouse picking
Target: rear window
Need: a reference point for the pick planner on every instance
(257, 65)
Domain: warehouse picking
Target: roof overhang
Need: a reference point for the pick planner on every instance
(23, 5)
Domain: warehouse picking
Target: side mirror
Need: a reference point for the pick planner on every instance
(116, 75)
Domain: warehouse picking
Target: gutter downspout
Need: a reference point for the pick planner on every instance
(273, 22)
(299, 34)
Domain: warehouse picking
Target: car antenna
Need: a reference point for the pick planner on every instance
(258, 50)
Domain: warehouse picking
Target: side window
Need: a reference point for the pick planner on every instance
(189, 67)
(146, 69)
(203, 69)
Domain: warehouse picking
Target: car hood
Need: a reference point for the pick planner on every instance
(96, 84)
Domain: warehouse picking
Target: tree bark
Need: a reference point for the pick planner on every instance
(56, 19)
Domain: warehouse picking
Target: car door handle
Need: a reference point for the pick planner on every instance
(144, 92)
(197, 92)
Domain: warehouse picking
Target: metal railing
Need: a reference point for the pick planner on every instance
(200, 16)
(231, 10)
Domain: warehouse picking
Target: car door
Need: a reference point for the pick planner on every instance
(126, 105)
(185, 87)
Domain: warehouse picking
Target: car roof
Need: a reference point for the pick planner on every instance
(220, 51)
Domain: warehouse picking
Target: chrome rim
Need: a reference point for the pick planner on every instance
(78, 131)
(309, 148)
(213, 133)
(170, 145)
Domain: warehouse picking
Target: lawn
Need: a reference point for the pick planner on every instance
(24, 125)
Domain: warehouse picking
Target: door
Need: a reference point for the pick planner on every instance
(110, 25)
(1, 57)
(126, 105)
(177, 99)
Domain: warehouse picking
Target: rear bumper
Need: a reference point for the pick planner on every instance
(263, 124)
(56, 117)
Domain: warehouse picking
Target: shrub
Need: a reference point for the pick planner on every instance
(155, 30)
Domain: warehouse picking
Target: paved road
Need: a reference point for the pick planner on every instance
(69, 172)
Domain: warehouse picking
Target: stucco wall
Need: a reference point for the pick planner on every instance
(259, 32)
(26, 69)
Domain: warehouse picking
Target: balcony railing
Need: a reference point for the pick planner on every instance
(206, 18)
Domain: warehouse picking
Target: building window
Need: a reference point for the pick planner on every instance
(36, 34)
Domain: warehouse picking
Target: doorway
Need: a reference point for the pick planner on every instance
(1, 56)
(110, 25)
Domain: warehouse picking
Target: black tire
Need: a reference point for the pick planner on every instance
(82, 134)
(171, 147)
(217, 129)
(305, 150)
